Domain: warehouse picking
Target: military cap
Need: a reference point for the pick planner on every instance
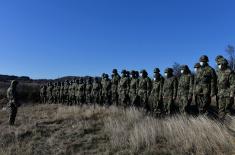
(168, 70)
(204, 58)
(156, 70)
(197, 65)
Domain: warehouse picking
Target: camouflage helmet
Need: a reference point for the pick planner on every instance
(217, 59)
(156, 70)
(168, 70)
(197, 65)
(133, 72)
(14, 83)
(115, 71)
(144, 72)
(106, 76)
(103, 74)
(204, 58)
(123, 71)
(184, 67)
(127, 73)
(223, 61)
(136, 73)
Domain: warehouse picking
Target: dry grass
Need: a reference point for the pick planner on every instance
(57, 129)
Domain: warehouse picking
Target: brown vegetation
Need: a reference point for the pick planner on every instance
(57, 129)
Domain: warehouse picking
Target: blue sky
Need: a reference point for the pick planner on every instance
(50, 39)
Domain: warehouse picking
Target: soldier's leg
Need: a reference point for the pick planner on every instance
(12, 114)
(169, 104)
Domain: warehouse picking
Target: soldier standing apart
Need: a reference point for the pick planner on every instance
(115, 81)
(13, 102)
(185, 89)
(133, 91)
(205, 85)
(169, 91)
(123, 89)
(226, 87)
(144, 89)
(155, 97)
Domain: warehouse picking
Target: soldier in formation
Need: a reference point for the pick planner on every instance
(160, 95)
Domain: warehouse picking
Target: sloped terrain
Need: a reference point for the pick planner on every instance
(57, 129)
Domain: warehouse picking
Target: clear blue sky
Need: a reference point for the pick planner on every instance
(50, 39)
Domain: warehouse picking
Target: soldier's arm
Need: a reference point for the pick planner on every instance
(175, 85)
(232, 84)
(213, 83)
(191, 85)
(149, 86)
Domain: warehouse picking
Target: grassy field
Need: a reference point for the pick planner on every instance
(57, 129)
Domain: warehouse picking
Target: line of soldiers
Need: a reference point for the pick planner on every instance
(160, 95)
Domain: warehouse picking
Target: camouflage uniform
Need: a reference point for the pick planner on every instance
(66, 92)
(62, 92)
(205, 85)
(88, 90)
(54, 92)
(13, 102)
(106, 90)
(115, 81)
(49, 93)
(144, 89)
(80, 92)
(226, 87)
(123, 89)
(72, 92)
(185, 89)
(96, 91)
(155, 97)
(43, 94)
(169, 91)
(133, 91)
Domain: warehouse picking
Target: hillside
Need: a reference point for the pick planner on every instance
(57, 129)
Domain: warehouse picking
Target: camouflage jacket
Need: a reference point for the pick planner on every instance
(96, 89)
(185, 85)
(145, 86)
(124, 85)
(115, 81)
(205, 81)
(157, 86)
(106, 86)
(226, 83)
(170, 87)
(134, 86)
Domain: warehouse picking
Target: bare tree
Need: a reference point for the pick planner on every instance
(176, 69)
(231, 52)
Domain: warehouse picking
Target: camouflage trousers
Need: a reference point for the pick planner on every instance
(203, 103)
(115, 98)
(123, 99)
(182, 103)
(224, 105)
(167, 105)
(12, 109)
(154, 103)
(133, 99)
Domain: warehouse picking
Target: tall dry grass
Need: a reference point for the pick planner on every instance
(130, 129)
(58, 129)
